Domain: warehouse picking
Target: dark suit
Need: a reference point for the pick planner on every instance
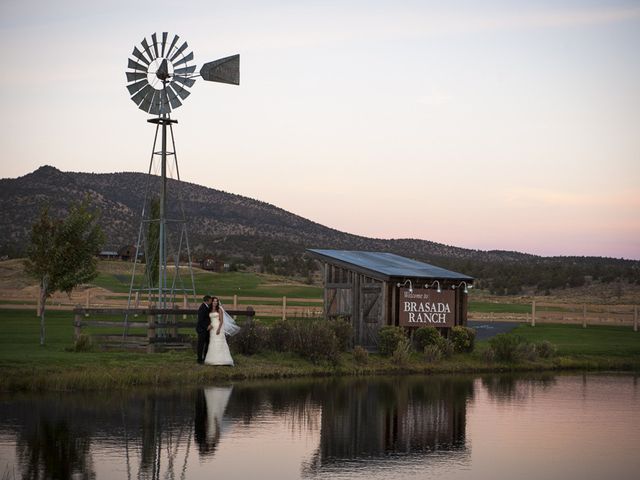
(202, 327)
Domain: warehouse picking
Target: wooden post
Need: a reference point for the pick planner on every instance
(635, 318)
(533, 313)
(185, 305)
(38, 306)
(137, 300)
(284, 307)
(151, 334)
(77, 329)
(88, 298)
(584, 315)
(235, 301)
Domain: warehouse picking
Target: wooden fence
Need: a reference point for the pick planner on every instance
(584, 314)
(149, 329)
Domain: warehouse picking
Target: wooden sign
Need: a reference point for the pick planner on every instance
(424, 307)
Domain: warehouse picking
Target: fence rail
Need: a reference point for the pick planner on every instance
(161, 325)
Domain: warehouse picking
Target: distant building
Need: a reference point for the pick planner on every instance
(108, 255)
(214, 265)
(127, 253)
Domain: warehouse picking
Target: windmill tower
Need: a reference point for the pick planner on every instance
(159, 75)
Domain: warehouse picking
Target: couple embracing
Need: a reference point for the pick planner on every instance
(213, 324)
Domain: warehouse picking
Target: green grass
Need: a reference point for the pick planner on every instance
(26, 365)
(593, 340)
(222, 284)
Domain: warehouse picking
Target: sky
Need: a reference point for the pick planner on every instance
(495, 125)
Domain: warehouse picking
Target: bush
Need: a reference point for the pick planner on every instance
(402, 351)
(526, 351)
(463, 338)
(447, 348)
(251, 338)
(432, 353)
(504, 346)
(546, 349)
(343, 332)
(83, 343)
(360, 355)
(388, 339)
(489, 355)
(313, 339)
(425, 336)
(280, 336)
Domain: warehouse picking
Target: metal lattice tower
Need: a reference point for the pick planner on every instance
(159, 77)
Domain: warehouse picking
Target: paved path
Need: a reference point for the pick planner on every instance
(485, 330)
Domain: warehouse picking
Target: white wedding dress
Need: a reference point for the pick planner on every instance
(218, 352)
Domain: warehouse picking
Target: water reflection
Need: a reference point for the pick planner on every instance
(375, 427)
(209, 421)
(374, 419)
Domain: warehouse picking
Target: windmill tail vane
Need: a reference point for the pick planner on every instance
(160, 73)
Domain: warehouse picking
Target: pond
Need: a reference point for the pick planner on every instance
(545, 426)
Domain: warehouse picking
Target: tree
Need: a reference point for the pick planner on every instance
(62, 252)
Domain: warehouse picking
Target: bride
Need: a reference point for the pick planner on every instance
(218, 352)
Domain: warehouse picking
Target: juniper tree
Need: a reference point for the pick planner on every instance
(62, 252)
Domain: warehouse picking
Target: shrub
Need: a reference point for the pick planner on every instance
(343, 332)
(312, 339)
(447, 348)
(546, 349)
(360, 355)
(251, 338)
(489, 355)
(280, 336)
(425, 336)
(388, 338)
(83, 343)
(504, 346)
(463, 338)
(401, 353)
(526, 351)
(432, 353)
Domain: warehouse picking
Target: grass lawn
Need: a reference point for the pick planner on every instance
(223, 284)
(24, 364)
(594, 340)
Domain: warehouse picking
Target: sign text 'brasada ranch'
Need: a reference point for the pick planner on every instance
(424, 307)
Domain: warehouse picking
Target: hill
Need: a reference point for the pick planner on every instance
(249, 231)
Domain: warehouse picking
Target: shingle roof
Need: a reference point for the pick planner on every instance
(386, 265)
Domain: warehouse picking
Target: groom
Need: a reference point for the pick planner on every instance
(203, 327)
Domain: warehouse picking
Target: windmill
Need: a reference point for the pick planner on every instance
(159, 74)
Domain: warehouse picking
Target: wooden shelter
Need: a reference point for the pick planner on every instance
(374, 289)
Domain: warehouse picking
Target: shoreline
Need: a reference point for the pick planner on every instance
(68, 378)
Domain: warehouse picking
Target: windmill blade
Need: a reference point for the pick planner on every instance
(154, 109)
(138, 54)
(135, 87)
(179, 51)
(173, 44)
(188, 82)
(147, 50)
(164, 41)
(181, 91)
(140, 96)
(185, 59)
(184, 70)
(136, 66)
(224, 70)
(163, 102)
(173, 98)
(146, 101)
(133, 76)
(154, 39)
